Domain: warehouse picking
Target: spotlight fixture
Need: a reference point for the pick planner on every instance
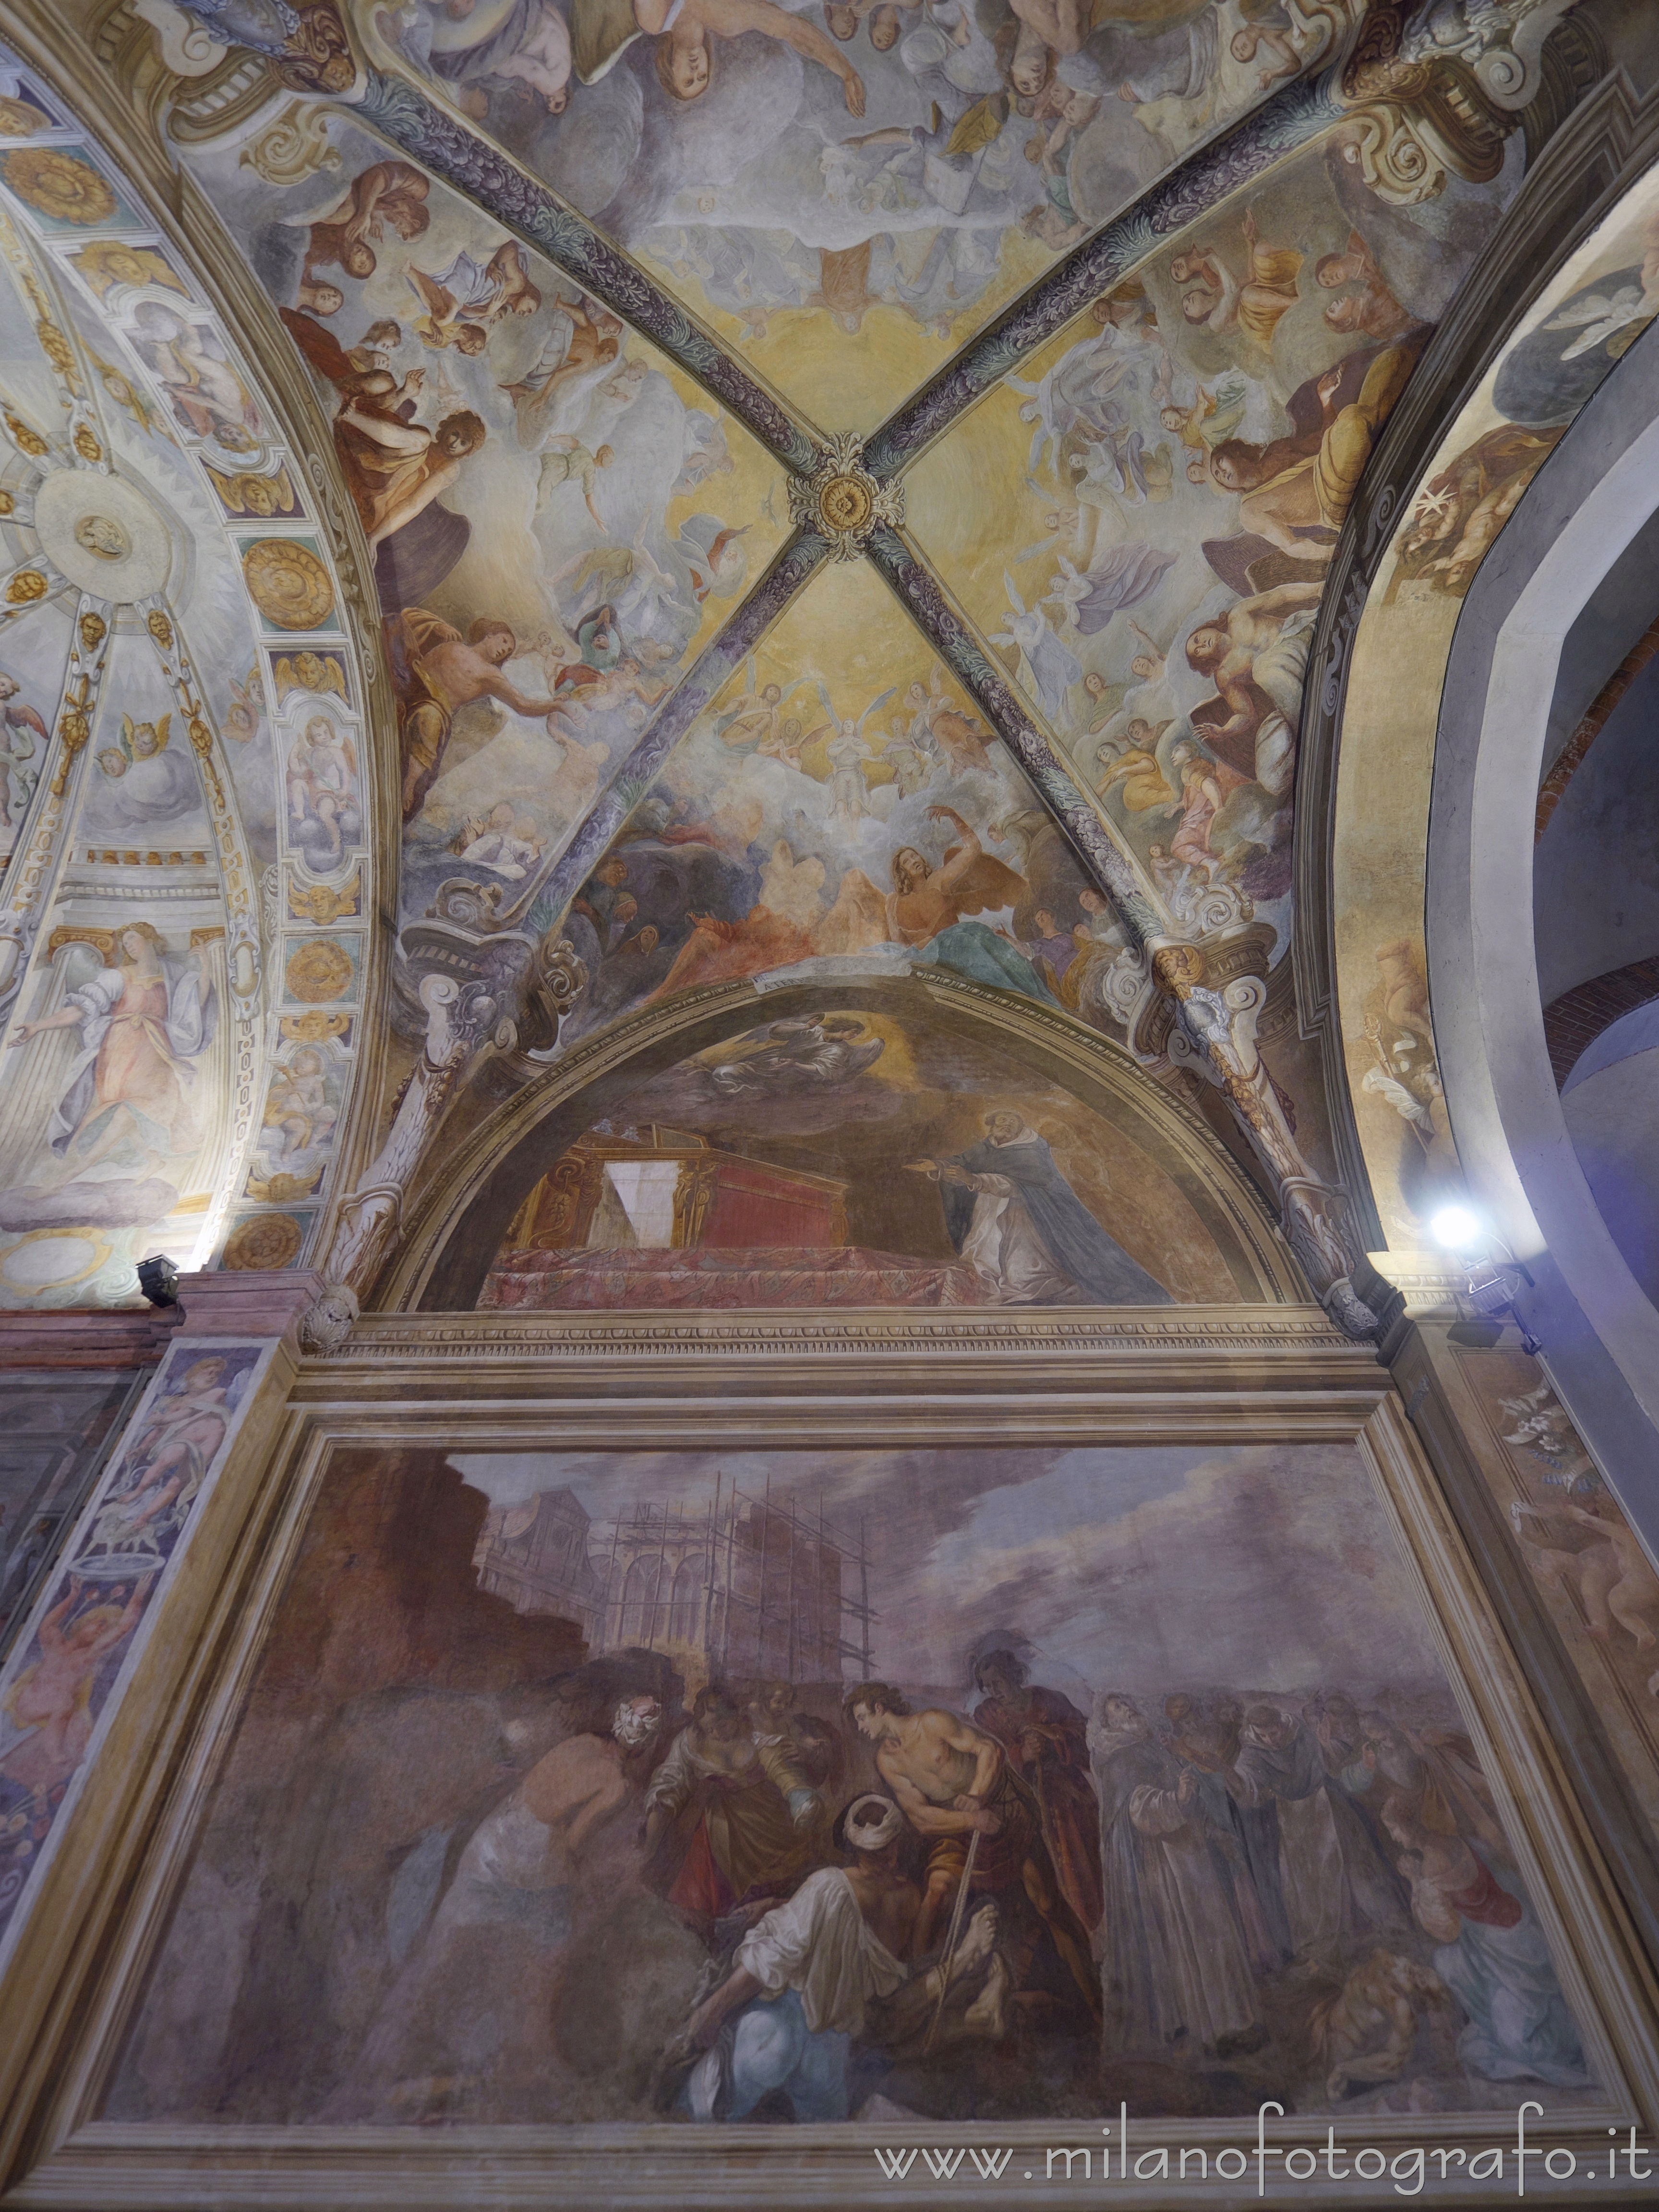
(158, 1279)
(1490, 1283)
(1456, 1229)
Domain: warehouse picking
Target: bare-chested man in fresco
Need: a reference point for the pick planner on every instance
(950, 1780)
(484, 1970)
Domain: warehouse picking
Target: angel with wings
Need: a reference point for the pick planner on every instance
(1090, 599)
(1055, 668)
(1071, 397)
(754, 724)
(394, 467)
(1600, 316)
(467, 298)
(846, 751)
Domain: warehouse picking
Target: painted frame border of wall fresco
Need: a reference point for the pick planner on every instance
(77, 1975)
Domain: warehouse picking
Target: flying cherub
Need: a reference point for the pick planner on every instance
(1054, 667)
(139, 741)
(755, 724)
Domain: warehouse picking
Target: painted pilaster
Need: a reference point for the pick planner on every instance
(95, 1627)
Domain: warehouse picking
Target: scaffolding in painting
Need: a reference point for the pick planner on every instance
(744, 1588)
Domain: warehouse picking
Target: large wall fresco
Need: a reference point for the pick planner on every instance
(560, 519)
(643, 1786)
(854, 1157)
(1140, 520)
(848, 191)
(1570, 339)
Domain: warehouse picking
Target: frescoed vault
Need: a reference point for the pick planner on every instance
(738, 740)
(186, 840)
(1073, 332)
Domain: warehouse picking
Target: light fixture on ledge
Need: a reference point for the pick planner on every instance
(1492, 1282)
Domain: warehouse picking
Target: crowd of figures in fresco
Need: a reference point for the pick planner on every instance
(833, 157)
(1192, 464)
(817, 1903)
(1184, 460)
(1188, 457)
(802, 1787)
(462, 384)
(802, 824)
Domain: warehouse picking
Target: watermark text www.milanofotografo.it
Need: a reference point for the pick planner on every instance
(1408, 2169)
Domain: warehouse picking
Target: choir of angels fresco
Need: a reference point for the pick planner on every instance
(1181, 461)
(1159, 1792)
(917, 161)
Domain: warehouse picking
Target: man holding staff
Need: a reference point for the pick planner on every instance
(953, 1783)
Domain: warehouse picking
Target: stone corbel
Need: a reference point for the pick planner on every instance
(462, 1020)
(1499, 41)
